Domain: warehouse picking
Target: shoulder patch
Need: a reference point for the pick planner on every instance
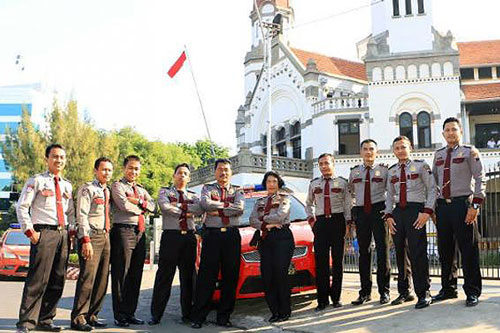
(392, 166)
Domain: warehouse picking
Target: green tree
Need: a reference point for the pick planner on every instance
(202, 150)
(24, 150)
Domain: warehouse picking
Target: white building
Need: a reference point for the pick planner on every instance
(410, 80)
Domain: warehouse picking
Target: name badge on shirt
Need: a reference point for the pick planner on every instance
(377, 173)
(413, 168)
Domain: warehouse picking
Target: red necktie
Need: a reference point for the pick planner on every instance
(368, 196)
(106, 210)
(402, 188)
(141, 224)
(59, 204)
(447, 175)
(183, 217)
(326, 193)
(225, 219)
(269, 204)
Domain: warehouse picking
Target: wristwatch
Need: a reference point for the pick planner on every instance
(476, 205)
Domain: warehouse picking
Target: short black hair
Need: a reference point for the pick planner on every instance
(276, 175)
(221, 161)
(53, 146)
(185, 165)
(325, 155)
(368, 141)
(401, 138)
(452, 120)
(131, 158)
(100, 160)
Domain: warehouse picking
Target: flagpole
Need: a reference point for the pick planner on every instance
(199, 100)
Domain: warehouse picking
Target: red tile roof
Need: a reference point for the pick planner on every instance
(479, 92)
(479, 53)
(332, 65)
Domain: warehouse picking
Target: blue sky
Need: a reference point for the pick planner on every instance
(112, 56)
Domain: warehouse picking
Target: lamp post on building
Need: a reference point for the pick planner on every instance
(269, 30)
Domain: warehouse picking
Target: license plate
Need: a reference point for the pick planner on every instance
(291, 269)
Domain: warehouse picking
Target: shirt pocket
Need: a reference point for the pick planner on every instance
(458, 160)
(377, 179)
(337, 190)
(48, 197)
(439, 162)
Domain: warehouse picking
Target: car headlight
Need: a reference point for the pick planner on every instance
(253, 256)
(9, 255)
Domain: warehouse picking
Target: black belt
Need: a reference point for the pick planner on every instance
(412, 204)
(375, 204)
(39, 227)
(454, 199)
(283, 227)
(182, 232)
(330, 216)
(125, 226)
(98, 231)
(223, 229)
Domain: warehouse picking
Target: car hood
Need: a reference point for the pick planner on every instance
(302, 234)
(20, 250)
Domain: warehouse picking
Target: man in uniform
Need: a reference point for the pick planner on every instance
(454, 168)
(328, 208)
(178, 244)
(412, 188)
(368, 182)
(45, 211)
(128, 249)
(93, 223)
(221, 247)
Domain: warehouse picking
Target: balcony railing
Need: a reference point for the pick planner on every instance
(341, 103)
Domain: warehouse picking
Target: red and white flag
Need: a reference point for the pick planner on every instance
(177, 65)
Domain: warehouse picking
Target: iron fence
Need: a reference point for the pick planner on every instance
(489, 241)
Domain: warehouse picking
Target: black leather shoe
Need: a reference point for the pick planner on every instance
(384, 298)
(22, 330)
(361, 299)
(196, 325)
(320, 307)
(81, 327)
(444, 295)
(135, 321)
(224, 323)
(154, 321)
(48, 328)
(284, 317)
(424, 302)
(403, 298)
(274, 318)
(337, 304)
(97, 323)
(472, 301)
(121, 323)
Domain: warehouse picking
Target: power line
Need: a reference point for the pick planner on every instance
(333, 15)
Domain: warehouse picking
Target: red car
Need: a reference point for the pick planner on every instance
(302, 270)
(14, 252)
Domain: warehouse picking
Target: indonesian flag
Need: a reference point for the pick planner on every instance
(177, 65)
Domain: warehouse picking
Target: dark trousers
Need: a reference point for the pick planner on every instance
(329, 235)
(220, 251)
(176, 250)
(411, 243)
(276, 252)
(366, 226)
(93, 280)
(453, 230)
(45, 281)
(128, 252)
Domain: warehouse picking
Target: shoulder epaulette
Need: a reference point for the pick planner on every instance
(383, 165)
(354, 167)
(392, 166)
(315, 179)
(467, 146)
(442, 148)
(139, 185)
(419, 161)
(193, 192)
(342, 178)
(65, 180)
(235, 186)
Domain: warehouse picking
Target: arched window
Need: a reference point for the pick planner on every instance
(296, 140)
(421, 9)
(408, 7)
(281, 142)
(395, 7)
(406, 126)
(424, 130)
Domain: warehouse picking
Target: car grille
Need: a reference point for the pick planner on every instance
(254, 256)
(254, 284)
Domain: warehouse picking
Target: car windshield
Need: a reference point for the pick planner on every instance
(297, 212)
(17, 238)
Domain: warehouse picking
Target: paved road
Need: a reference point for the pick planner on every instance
(251, 315)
